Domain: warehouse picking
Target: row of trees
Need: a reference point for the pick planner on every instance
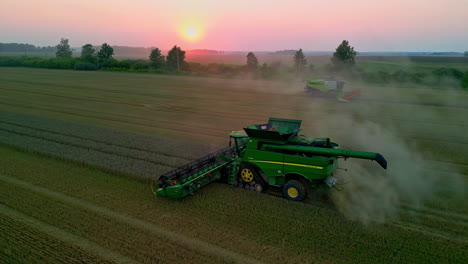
(342, 58)
(87, 52)
(20, 47)
(175, 60)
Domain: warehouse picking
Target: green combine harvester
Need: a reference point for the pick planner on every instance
(330, 89)
(265, 155)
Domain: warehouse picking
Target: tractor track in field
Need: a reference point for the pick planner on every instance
(65, 236)
(441, 216)
(191, 243)
(97, 141)
(146, 124)
(86, 147)
(436, 212)
(389, 101)
(163, 108)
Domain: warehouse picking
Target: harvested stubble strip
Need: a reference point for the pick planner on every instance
(51, 131)
(112, 136)
(103, 160)
(115, 231)
(91, 145)
(25, 244)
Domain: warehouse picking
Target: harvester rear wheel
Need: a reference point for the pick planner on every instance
(295, 190)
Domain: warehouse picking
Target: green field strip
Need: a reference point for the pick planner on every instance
(164, 128)
(125, 91)
(172, 109)
(114, 116)
(453, 229)
(203, 89)
(112, 162)
(83, 143)
(138, 244)
(446, 215)
(125, 139)
(60, 234)
(190, 243)
(129, 147)
(430, 232)
(94, 121)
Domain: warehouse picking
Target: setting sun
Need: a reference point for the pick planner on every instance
(191, 33)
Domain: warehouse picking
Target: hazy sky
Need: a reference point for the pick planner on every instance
(369, 25)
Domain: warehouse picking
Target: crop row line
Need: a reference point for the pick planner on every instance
(81, 146)
(429, 231)
(86, 147)
(97, 141)
(443, 215)
(94, 99)
(65, 236)
(403, 208)
(211, 111)
(165, 127)
(85, 156)
(177, 238)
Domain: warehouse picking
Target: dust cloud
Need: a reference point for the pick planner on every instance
(370, 193)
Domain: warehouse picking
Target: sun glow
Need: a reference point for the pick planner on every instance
(191, 33)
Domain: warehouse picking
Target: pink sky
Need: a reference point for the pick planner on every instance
(369, 25)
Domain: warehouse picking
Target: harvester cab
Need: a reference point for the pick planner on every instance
(263, 156)
(330, 88)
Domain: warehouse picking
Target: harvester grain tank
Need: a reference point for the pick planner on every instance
(262, 156)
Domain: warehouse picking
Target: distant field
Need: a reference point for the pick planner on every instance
(34, 54)
(367, 62)
(135, 124)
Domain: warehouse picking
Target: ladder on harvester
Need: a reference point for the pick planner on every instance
(232, 176)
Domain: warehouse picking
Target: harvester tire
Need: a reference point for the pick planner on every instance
(295, 190)
(248, 174)
(250, 177)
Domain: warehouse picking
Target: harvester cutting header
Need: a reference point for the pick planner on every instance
(264, 155)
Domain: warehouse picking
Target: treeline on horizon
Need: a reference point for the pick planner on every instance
(342, 63)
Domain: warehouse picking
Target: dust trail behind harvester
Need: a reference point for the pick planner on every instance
(372, 194)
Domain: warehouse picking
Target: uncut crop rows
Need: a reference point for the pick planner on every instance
(116, 150)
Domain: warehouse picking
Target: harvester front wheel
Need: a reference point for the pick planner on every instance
(248, 174)
(295, 190)
(250, 179)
